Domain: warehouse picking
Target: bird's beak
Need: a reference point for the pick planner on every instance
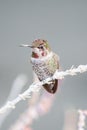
(24, 45)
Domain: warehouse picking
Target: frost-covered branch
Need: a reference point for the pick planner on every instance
(16, 88)
(34, 87)
(82, 119)
(38, 106)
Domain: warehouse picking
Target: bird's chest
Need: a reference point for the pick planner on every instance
(41, 68)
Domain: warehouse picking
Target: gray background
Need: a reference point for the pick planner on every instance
(64, 25)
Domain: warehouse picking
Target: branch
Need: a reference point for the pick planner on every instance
(34, 87)
(16, 88)
(82, 119)
(38, 106)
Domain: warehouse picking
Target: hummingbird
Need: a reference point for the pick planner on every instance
(44, 63)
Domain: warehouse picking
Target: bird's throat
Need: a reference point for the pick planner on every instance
(35, 55)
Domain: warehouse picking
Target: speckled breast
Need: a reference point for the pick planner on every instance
(44, 68)
(41, 70)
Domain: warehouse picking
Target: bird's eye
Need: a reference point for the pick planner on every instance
(40, 47)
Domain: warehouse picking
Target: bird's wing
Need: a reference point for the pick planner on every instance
(57, 59)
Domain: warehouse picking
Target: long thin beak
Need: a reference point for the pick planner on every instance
(24, 45)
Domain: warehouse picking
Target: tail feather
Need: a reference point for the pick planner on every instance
(51, 88)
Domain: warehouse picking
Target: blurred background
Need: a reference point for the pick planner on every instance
(64, 25)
